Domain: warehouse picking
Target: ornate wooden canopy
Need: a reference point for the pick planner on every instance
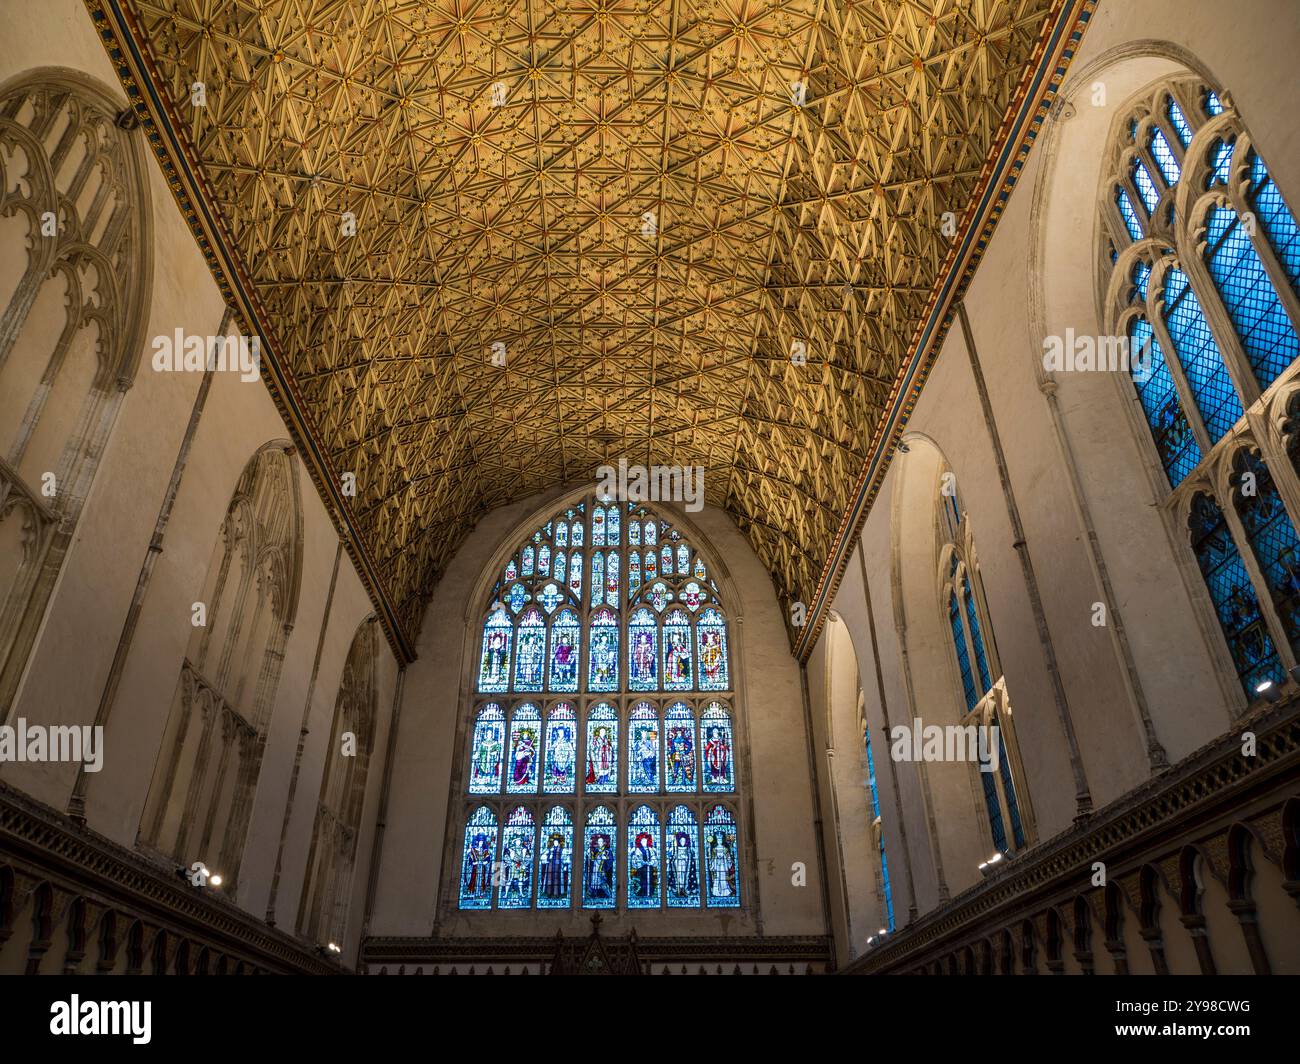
(647, 210)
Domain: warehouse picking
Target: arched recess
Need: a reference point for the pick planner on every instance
(854, 767)
(201, 796)
(74, 288)
(952, 673)
(331, 859)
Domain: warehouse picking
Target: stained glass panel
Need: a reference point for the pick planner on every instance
(611, 579)
(494, 666)
(643, 851)
(718, 769)
(643, 749)
(1233, 596)
(477, 859)
(963, 654)
(1198, 354)
(643, 652)
(518, 841)
(603, 673)
(555, 865)
(597, 577)
(561, 749)
(1275, 217)
(720, 852)
(525, 736)
(598, 871)
(711, 637)
(1175, 443)
(677, 652)
(1272, 538)
(486, 750)
(565, 653)
(602, 750)
(531, 654)
(682, 842)
(976, 637)
(679, 748)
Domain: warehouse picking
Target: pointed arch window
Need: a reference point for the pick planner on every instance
(1212, 294)
(606, 682)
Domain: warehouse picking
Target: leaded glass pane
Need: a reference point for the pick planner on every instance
(643, 849)
(678, 674)
(518, 841)
(1175, 442)
(602, 750)
(531, 654)
(1272, 538)
(565, 653)
(603, 673)
(1199, 356)
(494, 666)
(1275, 217)
(720, 851)
(682, 842)
(643, 749)
(963, 655)
(643, 652)
(711, 637)
(719, 771)
(561, 749)
(598, 871)
(679, 748)
(525, 735)
(555, 863)
(477, 859)
(486, 750)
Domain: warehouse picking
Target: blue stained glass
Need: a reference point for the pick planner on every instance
(561, 750)
(531, 652)
(562, 533)
(577, 533)
(1131, 221)
(677, 652)
(679, 748)
(711, 638)
(633, 574)
(486, 750)
(992, 805)
(1175, 443)
(651, 565)
(1176, 119)
(1233, 595)
(560, 566)
(643, 749)
(1164, 157)
(1221, 153)
(666, 561)
(1213, 105)
(875, 812)
(477, 859)
(1141, 276)
(1278, 222)
(603, 670)
(494, 665)
(528, 561)
(544, 560)
(976, 637)
(963, 655)
(575, 574)
(643, 867)
(517, 596)
(525, 738)
(565, 651)
(682, 841)
(651, 533)
(602, 750)
(611, 527)
(1262, 325)
(555, 864)
(720, 852)
(701, 573)
(718, 770)
(611, 579)
(550, 597)
(598, 527)
(598, 868)
(597, 577)
(518, 841)
(1009, 791)
(634, 533)
(1198, 354)
(683, 560)
(1272, 538)
(642, 652)
(1146, 188)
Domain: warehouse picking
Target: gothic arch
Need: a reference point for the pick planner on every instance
(74, 194)
(201, 796)
(331, 859)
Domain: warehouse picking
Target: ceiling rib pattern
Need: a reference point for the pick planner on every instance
(645, 204)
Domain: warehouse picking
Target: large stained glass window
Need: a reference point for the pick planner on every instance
(1209, 255)
(607, 725)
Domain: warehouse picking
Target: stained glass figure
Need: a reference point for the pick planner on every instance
(528, 557)
(711, 638)
(719, 773)
(633, 574)
(643, 859)
(477, 859)
(561, 564)
(561, 749)
(494, 666)
(602, 750)
(666, 561)
(598, 870)
(643, 652)
(643, 749)
(720, 858)
(682, 843)
(597, 577)
(486, 750)
(603, 672)
(525, 738)
(544, 560)
(555, 863)
(577, 533)
(611, 527)
(531, 653)
(611, 579)
(598, 527)
(683, 560)
(565, 642)
(518, 841)
(575, 574)
(678, 673)
(679, 748)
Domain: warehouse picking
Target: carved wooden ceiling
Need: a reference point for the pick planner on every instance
(647, 202)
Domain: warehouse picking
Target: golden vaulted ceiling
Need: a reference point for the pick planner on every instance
(647, 202)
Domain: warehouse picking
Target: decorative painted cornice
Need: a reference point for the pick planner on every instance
(1031, 104)
(171, 145)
